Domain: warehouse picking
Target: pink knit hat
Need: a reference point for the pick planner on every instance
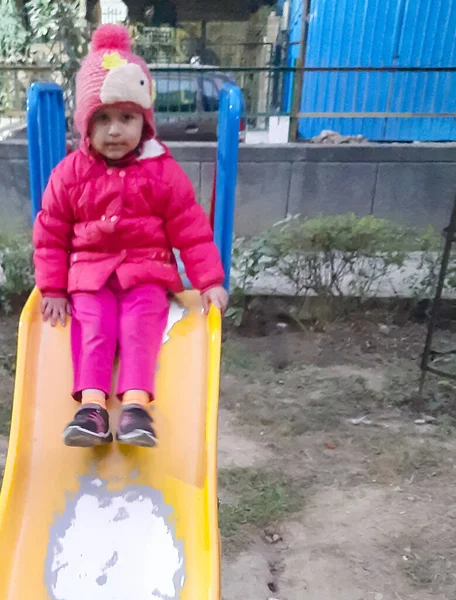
(110, 74)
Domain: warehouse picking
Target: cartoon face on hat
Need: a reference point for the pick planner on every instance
(112, 74)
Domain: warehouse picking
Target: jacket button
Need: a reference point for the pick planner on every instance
(109, 171)
(103, 218)
(122, 174)
(113, 219)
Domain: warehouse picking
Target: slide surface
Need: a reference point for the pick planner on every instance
(113, 523)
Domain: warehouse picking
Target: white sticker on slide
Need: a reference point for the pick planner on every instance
(115, 546)
(176, 314)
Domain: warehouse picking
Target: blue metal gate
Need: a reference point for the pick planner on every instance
(380, 33)
(427, 39)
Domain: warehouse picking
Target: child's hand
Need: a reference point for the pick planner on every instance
(55, 309)
(217, 296)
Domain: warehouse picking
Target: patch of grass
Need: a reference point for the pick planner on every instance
(424, 458)
(420, 570)
(294, 419)
(298, 401)
(429, 562)
(398, 456)
(8, 362)
(402, 376)
(302, 423)
(236, 359)
(446, 426)
(5, 418)
(263, 498)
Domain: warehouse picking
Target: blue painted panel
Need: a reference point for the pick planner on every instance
(404, 33)
(349, 33)
(427, 40)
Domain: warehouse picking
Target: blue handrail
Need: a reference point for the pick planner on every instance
(46, 136)
(227, 168)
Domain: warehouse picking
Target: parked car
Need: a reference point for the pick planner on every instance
(193, 97)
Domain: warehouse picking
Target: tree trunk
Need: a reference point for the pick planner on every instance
(164, 11)
(93, 12)
(137, 8)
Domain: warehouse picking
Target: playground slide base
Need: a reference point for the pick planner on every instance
(115, 522)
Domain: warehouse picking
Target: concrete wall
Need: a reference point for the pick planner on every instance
(413, 184)
(15, 207)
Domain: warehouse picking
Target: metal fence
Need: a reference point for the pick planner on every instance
(14, 83)
(164, 46)
(187, 97)
(339, 98)
(169, 56)
(191, 92)
(113, 14)
(391, 103)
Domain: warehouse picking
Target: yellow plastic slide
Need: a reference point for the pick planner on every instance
(116, 522)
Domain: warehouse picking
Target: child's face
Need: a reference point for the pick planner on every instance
(116, 131)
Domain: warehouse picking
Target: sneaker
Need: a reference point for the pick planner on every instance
(136, 427)
(90, 427)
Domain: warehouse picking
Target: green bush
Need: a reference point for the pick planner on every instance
(16, 274)
(249, 260)
(335, 256)
(13, 35)
(43, 32)
(339, 255)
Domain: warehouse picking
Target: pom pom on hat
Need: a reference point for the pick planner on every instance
(111, 37)
(110, 74)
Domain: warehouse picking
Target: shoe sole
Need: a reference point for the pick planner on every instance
(81, 438)
(138, 437)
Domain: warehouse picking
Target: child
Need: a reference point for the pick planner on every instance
(112, 212)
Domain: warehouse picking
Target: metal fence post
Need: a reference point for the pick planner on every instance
(298, 79)
(427, 352)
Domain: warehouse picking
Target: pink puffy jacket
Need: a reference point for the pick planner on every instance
(99, 220)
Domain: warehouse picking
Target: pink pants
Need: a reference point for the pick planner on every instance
(131, 321)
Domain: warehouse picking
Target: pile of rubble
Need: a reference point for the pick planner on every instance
(333, 137)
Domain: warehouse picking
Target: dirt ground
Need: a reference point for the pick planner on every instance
(329, 487)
